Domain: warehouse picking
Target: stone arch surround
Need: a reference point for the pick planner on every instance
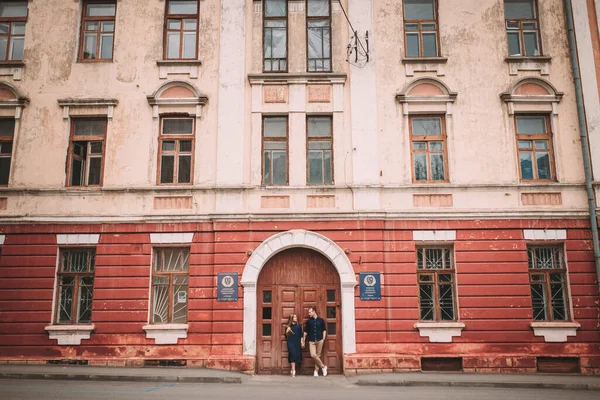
(310, 240)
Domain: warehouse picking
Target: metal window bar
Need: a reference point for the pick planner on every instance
(75, 286)
(547, 273)
(170, 285)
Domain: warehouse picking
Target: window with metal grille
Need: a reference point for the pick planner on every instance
(421, 28)
(97, 30)
(170, 276)
(318, 25)
(275, 22)
(75, 286)
(13, 17)
(437, 286)
(522, 27)
(547, 277)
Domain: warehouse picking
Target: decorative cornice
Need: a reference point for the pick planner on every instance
(296, 78)
(87, 102)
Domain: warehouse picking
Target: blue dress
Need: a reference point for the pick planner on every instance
(293, 344)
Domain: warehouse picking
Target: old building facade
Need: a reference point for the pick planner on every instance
(181, 175)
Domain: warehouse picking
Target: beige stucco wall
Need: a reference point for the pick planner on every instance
(371, 145)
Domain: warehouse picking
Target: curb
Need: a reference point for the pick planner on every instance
(122, 378)
(473, 384)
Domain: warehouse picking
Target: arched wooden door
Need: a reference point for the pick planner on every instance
(291, 282)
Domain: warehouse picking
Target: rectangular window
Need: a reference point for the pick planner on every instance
(97, 30)
(522, 27)
(75, 286)
(536, 158)
(181, 30)
(547, 272)
(13, 17)
(275, 36)
(7, 132)
(437, 291)
(176, 149)
(421, 28)
(318, 25)
(86, 152)
(275, 151)
(170, 275)
(319, 150)
(428, 136)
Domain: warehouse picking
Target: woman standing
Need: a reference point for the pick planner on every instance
(293, 333)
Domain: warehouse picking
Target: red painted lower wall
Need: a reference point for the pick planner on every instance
(493, 294)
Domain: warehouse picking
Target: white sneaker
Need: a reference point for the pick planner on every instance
(316, 373)
(325, 370)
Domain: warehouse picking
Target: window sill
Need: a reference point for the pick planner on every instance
(168, 67)
(12, 68)
(528, 63)
(424, 64)
(166, 333)
(69, 335)
(555, 332)
(440, 332)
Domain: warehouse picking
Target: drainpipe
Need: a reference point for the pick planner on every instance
(583, 136)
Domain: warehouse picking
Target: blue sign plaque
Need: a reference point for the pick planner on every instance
(370, 286)
(227, 287)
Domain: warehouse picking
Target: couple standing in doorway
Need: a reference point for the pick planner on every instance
(315, 331)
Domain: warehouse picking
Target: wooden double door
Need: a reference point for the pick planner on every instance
(290, 283)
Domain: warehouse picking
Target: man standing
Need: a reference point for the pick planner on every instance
(316, 331)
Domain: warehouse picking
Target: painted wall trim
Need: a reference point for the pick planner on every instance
(545, 234)
(166, 333)
(69, 335)
(168, 238)
(555, 332)
(440, 332)
(434, 236)
(310, 240)
(80, 238)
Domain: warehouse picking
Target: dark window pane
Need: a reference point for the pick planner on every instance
(420, 161)
(96, 148)
(275, 8)
(13, 9)
(543, 165)
(331, 311)
(526, 159)
(538, 302)
(514, 44)
(4, 170)
(84, 312)
(65, 300)
(275, 127)
(178, 126)
(185, 145)
(76, 172)
(331, 295)
(7, 127)
(426, 302)
(266, 329)
(420, 258)
(267, 296)
(429, 45)
(331, 328)
(437, 167)
(267, 312)
(95, 171)
(101, 10)
(446, 301)
(419, 10)
(183, 7)
(519, 9)
(89, 127)
(167, 169)
(184, 172)
(168, 145)
(531, 44)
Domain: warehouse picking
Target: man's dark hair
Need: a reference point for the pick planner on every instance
(314, 308)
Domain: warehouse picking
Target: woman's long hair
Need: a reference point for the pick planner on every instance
(289, 325)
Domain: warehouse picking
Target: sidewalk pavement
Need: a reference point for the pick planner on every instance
(203, 375)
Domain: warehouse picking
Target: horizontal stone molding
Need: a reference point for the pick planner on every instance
(528, 64)
(434, 236)
(173, 202)
(554, 331)
(171, 238)
(166, 333)
(78, 238)
(178, 67)
(424, 64)
(545, 234)
(69, 335)
(440, 332)
(12, 69)
(302, 78)
(87, 106)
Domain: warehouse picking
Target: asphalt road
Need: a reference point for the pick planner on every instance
(296, 389)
